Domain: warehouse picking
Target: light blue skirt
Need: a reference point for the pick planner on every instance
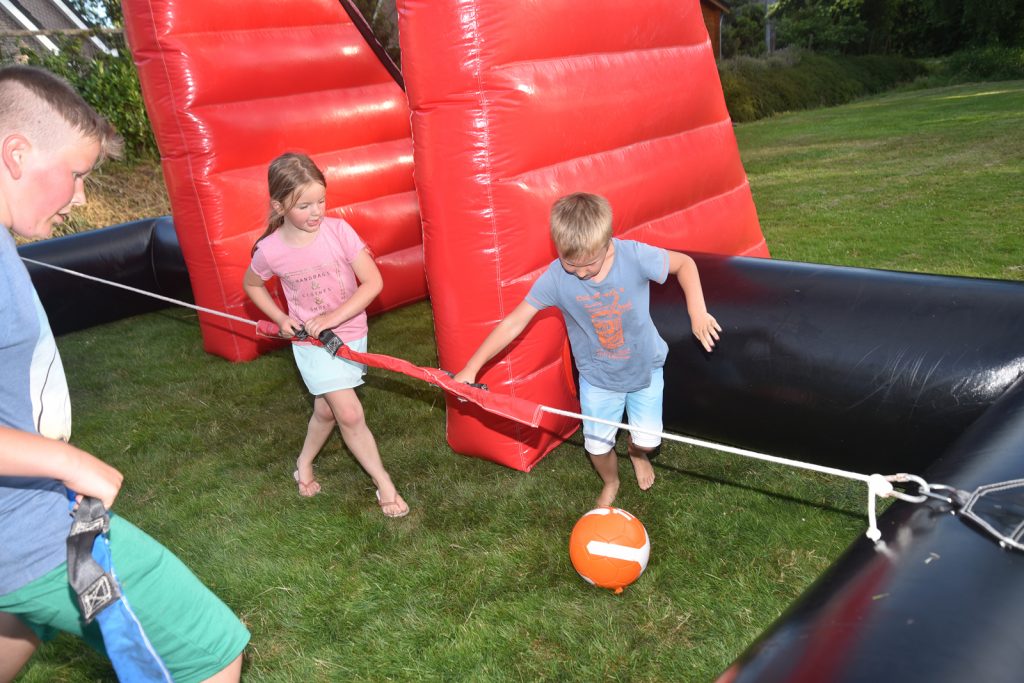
(324, 373)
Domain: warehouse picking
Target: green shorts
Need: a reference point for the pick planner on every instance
(194, 633)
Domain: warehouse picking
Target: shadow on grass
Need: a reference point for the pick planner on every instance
(418, 391)
(756, 489)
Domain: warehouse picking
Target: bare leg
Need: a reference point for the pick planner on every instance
(232, 672)
(642, 466)
(348, 411)
(321, 424)
(607, 465)
(17, 643)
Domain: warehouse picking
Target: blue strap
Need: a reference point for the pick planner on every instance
(92, 577)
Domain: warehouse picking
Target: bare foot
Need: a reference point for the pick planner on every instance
(643, 469)
(608, 494)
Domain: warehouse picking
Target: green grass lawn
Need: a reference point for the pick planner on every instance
(922, 181)
(476, 583)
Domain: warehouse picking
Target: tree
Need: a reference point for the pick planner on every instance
(881, 18)
(832, 26)
(106, 13)
(743, 29)
(994, 22)
(908, 27)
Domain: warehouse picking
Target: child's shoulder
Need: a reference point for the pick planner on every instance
(636, 247)
(337, 223)
(633, 244)
(333, 225)
(267, 244)
(341, 233)
(635, 259)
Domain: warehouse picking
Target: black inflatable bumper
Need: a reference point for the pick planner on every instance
(143, 254)
(873, 372)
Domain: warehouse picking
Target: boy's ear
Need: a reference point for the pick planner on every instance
(13, 150)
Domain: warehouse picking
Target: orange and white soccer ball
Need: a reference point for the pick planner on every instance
(609, 548)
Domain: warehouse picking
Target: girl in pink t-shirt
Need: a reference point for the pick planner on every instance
(329, 278)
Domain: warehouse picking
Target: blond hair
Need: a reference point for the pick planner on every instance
(581, 224)
(45, 108)
(286, 177)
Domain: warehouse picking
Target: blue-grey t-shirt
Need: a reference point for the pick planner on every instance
(613, 339)
(34, 519)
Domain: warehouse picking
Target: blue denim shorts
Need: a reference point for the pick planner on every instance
(643, 409)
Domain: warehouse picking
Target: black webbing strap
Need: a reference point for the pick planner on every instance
(94, 587)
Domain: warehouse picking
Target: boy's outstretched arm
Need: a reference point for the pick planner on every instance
(705, 327)
(500, 337)
(30, 455)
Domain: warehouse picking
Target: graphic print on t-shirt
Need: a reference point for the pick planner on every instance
(312, 288)
(606, 311)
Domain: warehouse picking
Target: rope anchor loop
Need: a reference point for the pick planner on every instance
(880, 486)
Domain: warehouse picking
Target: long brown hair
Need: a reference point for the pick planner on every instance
(287, 174)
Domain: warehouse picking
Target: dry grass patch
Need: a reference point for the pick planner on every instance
(117, 193)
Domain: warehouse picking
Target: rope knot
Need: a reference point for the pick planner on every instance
(880, 487)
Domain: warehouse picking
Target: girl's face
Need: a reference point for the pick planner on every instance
(307, 212)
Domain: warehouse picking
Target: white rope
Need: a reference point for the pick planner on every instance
(716, 446)
(143, 292)
(878, 486)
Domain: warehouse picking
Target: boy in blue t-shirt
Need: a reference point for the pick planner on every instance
(602, 287)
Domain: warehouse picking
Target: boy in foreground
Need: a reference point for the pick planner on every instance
(602, 287)
(50, 139)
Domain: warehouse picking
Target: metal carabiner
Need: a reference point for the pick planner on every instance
(954, 498)
(922, 486)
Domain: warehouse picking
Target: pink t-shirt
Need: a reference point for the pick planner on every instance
(318, 277)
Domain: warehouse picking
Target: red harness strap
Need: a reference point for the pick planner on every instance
(520, 410)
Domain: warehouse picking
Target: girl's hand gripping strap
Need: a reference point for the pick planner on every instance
(327, 338)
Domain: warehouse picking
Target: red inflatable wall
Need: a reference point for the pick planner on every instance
(228, 86)
(517, 102)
